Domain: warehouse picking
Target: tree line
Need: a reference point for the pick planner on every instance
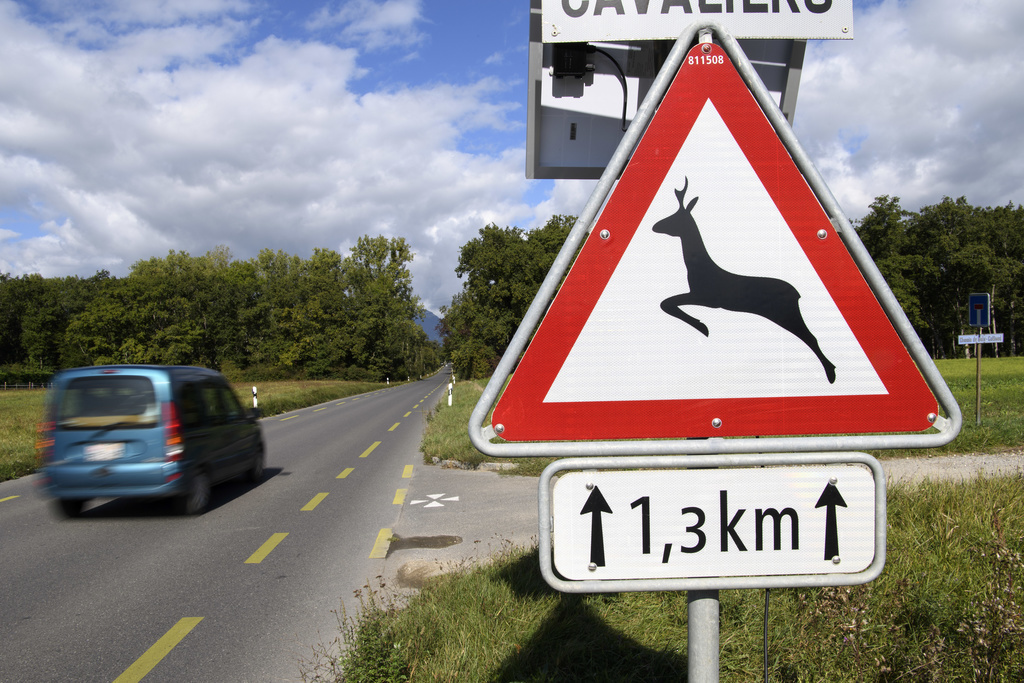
(274, 316)
(933, 259)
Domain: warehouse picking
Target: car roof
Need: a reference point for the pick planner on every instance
(175, 372)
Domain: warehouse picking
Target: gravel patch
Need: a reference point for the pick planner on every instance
(958, 468)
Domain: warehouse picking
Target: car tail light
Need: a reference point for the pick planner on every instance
(174, 444)
(44, 441)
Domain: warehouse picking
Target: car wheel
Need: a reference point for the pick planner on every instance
(197, 498)
(69, 507)
(255, 473)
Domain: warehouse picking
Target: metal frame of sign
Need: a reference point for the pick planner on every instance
(946, 428)
(544, 515)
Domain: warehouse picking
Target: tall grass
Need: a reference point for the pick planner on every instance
(948, 607)
(447, 434)
(21, 411)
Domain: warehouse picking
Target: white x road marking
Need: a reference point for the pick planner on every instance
(435, 500)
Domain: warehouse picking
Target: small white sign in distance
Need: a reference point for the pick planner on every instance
(980, 338)
(570, 21)
(671, 524)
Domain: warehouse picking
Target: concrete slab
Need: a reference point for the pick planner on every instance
(453, 518)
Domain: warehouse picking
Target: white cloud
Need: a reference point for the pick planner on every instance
(924, 103)
(121, 159)
(375, 25)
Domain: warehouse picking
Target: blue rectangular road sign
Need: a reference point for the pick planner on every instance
(979, 310)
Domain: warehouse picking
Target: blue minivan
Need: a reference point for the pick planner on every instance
(145, 431)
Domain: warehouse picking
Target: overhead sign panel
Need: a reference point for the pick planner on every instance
(714, 297)
(667, 524)
(573, 21)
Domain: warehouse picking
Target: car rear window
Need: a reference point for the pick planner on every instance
(111, 401)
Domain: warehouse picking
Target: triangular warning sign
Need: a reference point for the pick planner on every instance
(714, 297)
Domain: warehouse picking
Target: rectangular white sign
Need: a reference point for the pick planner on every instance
(670, 524)
(980, 338)
(573, 21)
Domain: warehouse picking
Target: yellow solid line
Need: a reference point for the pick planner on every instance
(288, 418)
(317, 499)
(400, 496)
(151, 657)
(344, 473)
(4, 500)
(380, 547)
(407, 472)
(394, 426)
(370, 449)
(265, 549)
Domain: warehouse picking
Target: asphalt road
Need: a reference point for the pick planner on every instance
(241, 593)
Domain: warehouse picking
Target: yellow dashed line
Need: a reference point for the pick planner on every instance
(407, 472)
(394, 426)
(151, 657)
(319, 409)
(289, 418)
(380, 547)
(400, 496)
(4, 500)
(370, 449)
(344, 473)
(407, 414)
(317, 499)
(265, 549)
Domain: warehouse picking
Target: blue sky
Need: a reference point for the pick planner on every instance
(129, 128)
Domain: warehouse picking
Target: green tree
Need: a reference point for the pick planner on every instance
(316, 324)
(503, 269)
(383, 308)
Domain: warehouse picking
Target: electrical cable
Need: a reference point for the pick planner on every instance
(622, 80)
(767, 593)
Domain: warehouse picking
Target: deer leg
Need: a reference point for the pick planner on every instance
(795, 323)
(671, 306)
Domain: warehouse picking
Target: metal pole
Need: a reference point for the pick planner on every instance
(977, 382)
(703, 633)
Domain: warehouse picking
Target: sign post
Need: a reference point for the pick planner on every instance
(979, 314)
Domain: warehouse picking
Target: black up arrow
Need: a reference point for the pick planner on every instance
(596, 504)
(830, 498)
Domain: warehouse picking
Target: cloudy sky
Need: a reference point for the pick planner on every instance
(129, 128)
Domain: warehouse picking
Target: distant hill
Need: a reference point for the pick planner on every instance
(429, 323)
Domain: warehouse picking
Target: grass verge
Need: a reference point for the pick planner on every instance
(949, 606)
(21, 411)
(447, 435)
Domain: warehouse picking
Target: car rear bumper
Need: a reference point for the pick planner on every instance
(92, 480)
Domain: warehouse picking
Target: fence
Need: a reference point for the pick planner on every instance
(31, 385)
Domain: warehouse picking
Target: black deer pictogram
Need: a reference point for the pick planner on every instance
(714, 287)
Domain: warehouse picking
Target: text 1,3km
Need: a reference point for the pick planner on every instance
(818, 519)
